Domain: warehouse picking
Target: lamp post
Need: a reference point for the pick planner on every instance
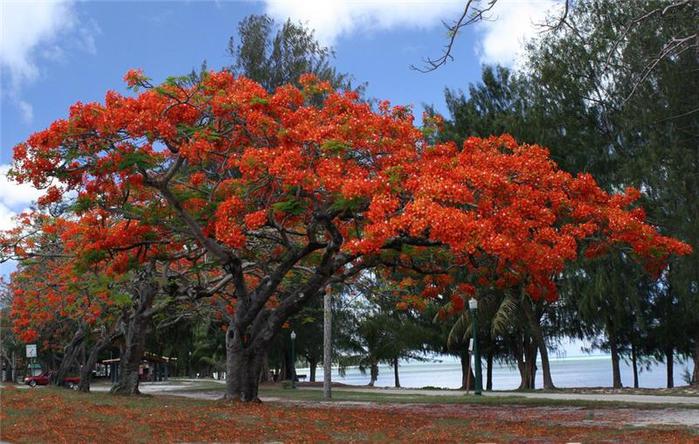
(473, 307)
(293, 360)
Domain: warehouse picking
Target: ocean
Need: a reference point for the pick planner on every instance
(577, 371)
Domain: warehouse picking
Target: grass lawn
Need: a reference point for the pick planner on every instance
(58, 415)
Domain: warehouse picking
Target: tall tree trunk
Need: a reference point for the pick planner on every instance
(538, 336)
(670, 363)
(614, 349)
(489, 375)
(312, 365)
(86, 369)
(70, 356)
(264, 370)
(91, 361)
(634, 364)
(695, 374)
(374, 373)
(327, 345)
(14, 366)
(467, 378)
(395, 372)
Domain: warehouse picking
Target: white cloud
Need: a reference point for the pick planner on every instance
(34, 32)
(334, 18)
(26, 26)
(511, 24)
(6, 218)
(26, 110)
(14, 198)
(13, 195)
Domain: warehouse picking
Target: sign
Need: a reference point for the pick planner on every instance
(470, 344)
(31, 350)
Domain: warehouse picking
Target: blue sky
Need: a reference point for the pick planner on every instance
(54, 53)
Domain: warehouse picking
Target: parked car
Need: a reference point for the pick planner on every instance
(44, 379)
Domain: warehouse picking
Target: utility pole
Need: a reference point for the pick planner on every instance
(327, 345)
(473, 307)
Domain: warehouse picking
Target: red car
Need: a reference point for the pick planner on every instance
(45, 378)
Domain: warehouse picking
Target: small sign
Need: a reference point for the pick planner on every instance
(31, 350)
(470, 344)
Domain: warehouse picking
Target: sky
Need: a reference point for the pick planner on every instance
(55, 53)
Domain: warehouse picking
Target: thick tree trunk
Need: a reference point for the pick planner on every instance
(132, 352)
(467, 378)
(395, 373)
(538, 336)
(243, 367)
(70, 356)
(670, 363)
(312, 365)
(634, 365)
(135, 325)
(489, 375)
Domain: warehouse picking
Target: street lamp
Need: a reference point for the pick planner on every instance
(293, 360)
(473, 307)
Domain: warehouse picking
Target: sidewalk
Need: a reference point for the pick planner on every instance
(643, 399)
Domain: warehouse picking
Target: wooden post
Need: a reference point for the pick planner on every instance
(327, 345)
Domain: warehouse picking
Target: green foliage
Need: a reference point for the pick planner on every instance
(275, 55)
(291, 206)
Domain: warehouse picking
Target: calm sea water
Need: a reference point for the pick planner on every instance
(580, 371)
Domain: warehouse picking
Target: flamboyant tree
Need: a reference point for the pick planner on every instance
(284, 193)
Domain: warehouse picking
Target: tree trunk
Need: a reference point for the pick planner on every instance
(489, 375)
(695, 374)
(538, 336)
(91, 361)
(467, 378)
(395, 372)
(243, 367)
(327, 345)
(132, 352)
(264, 370)
(312, 364)
(526, 364)
(614, 350)
(374, 373)
(134, 326)
(86, 369)
(70, 356)
(670, 362)
(634, 364)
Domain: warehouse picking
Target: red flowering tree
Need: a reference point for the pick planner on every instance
(284, 193)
